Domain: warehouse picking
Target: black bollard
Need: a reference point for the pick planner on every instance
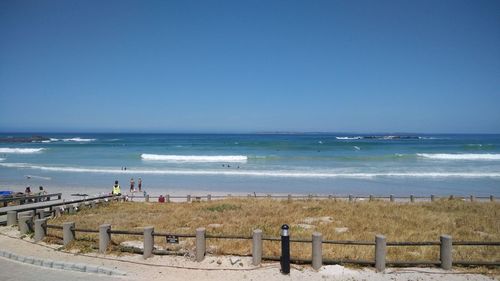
(285, 249)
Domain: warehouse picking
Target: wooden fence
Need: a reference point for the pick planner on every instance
(28, 198)
(27, 223)
(350, 197)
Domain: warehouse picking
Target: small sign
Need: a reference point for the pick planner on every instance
(173, 239)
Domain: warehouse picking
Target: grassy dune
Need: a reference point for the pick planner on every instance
(470, 221)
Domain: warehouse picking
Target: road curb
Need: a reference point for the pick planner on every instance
(80, 267)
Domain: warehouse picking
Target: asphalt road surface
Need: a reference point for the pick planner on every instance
(16, 271)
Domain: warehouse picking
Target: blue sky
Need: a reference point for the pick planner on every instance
(244, 66)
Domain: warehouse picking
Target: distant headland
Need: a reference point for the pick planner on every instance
(25, 139)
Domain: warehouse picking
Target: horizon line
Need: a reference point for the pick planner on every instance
(238, 132)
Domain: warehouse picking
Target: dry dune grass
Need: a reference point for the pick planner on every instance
(464, 221)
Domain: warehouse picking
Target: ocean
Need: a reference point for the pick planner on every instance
(340, 164)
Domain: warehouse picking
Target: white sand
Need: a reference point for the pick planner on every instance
(215, 267)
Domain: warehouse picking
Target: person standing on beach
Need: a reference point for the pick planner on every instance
(139, 184)
(132, 184)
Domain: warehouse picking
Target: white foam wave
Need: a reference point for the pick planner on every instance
(77, 139)
(20, 150)
(348, 138)
(194, 158)
(2, 159)
(256, 173)
(469, 156)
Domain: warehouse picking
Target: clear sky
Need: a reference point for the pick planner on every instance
(245, 66)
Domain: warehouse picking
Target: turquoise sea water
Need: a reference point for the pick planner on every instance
(264, 163)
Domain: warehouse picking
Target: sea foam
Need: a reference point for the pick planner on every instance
(20, 150)
(77, 139)
(348, 138)
(257, 173)
(194, 158)
(468, 156)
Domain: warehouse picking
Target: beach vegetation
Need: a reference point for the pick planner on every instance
(335, 219)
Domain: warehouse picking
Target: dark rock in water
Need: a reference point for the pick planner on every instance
(25, 139)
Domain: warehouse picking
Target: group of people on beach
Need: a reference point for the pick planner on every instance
(117, 190)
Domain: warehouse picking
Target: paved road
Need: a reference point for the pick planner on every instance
(16, 271)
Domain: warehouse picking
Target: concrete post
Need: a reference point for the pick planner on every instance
(147, 198)
(432, 197)
(104, 237)
(257, 247)
(200, 244)
(189, 198)
(472, 198)
(289, 197)
(317, 251)
(452, 197)
(350, 197)
(412, 198)
(167, 198)
(40, 229)
(68, 232)
(40, 213)
(25, 224)
(391, 198)
(11, 218)
(492, 198)
(445, 252)
(330, 196)
(148, 242)
(209, 197)
(30, 213)
(57, 212)
(371, 197)
(380, 252)
(71, 209)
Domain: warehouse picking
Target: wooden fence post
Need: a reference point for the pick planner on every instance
(148, 242)
(200, 244)
(289, 197)
(492, 198)
(40, 229)
(257, 247)
(104, 237)
(432, 198)
(412, 198)
(317, 251)
(380, 252)
(371, 197)
(209, 197)
(68, 232)
(189, 198)
(391, 198)
(472, 198)
(167, 198)
(350, 198)
(445, 252)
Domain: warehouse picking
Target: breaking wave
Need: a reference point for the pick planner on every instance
(257, 173)
(348, 138)
(194, 158)
(21, 150)
(468, 156)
